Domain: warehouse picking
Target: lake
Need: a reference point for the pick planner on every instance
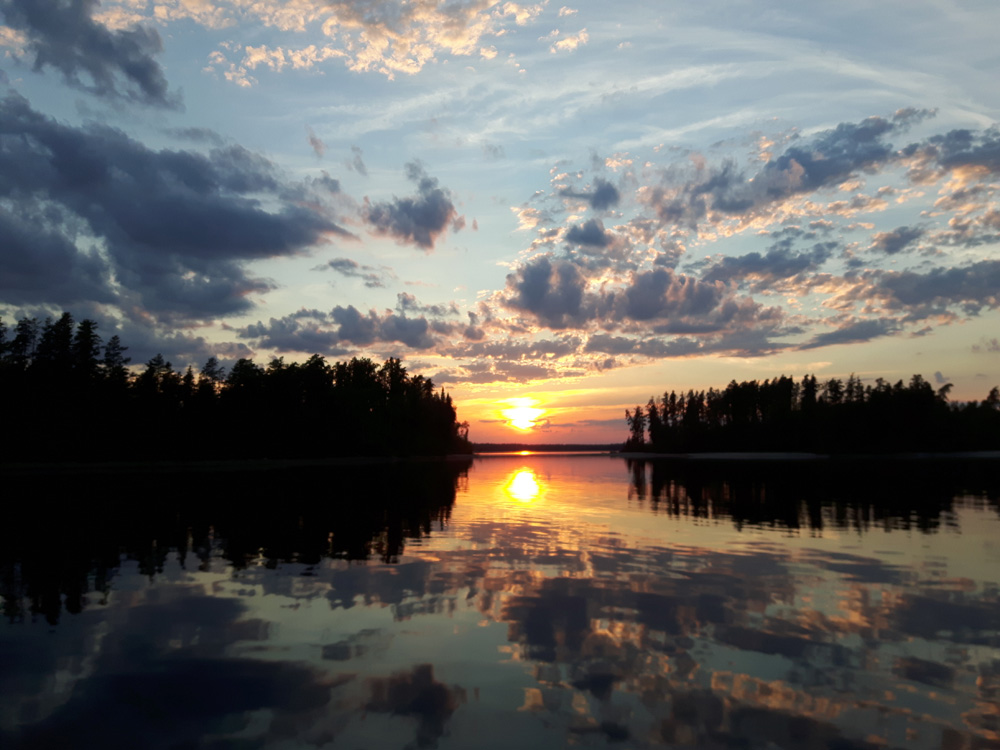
(515, 601)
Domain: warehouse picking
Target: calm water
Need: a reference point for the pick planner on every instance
(518, 602)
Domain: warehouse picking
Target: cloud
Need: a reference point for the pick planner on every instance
(302, 331)
(406, 302)
(604, 195)
(511, 349)
(972, 287)
(852, 332)
(63, 34)
(987, 345)
(317, 145)
(971, 153)
(662, 293)
(38, 261)
(552, 292)
(502, 371)
(589, 233)
(372, 277)
(420, 219)
(745, 342)
(570, 42)
(356, 163)
(658, 301)
(895, 241)
(391, 38)
(726, 192)
(777, 263)
(315, 331)
(177, 226)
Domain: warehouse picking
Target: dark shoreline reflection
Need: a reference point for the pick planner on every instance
(845, 493)
(535, 602)
(51, 557)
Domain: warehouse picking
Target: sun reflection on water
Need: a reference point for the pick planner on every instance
(523, 486)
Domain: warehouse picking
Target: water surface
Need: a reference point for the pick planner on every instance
(519, 601)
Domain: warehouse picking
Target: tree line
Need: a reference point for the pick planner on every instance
(68, 395)
(834, 416)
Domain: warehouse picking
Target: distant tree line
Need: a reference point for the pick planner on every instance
(834, 416)
(67, 395)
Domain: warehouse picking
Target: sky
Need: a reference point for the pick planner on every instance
(565, 208)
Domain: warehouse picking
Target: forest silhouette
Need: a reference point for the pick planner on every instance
(835, 416)
(71, 396)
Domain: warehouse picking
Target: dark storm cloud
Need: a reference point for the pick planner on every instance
(420, 219)
(315, 331)
(852, 332)
(603, 196)
(896, 241)
(972, 287)
(177, 225)
(371, 276)
(63, 35)
(589, 233)
(826, 159)
(777, 263)
(552, 292)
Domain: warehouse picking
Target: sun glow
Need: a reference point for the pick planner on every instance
(522, 414)
(523, 486)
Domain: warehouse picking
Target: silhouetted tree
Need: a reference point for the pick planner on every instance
(637, 427)
(778, 414)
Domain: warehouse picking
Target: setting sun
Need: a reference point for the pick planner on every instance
(522, 414)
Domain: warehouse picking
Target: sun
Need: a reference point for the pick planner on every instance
(522, 414)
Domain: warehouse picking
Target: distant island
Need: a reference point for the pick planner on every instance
(69, 396)
(834, 416)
